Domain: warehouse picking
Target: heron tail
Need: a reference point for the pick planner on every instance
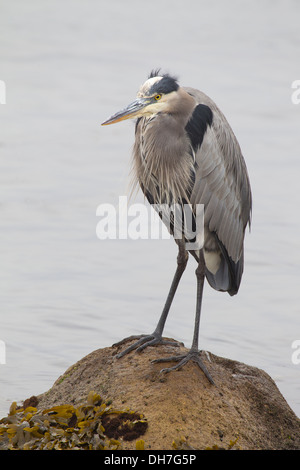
(228, 276)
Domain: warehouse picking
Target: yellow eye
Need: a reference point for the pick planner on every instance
(157, 97)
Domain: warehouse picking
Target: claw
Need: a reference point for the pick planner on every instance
(182, 360)
(155, 341)
(129, 338)
(143, 342)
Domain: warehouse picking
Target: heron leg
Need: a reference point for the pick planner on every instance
(143, 341)
(194, 353)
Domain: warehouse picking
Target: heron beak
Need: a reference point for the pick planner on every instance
(131, 111)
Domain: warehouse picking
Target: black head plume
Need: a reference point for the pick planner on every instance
(166, 85)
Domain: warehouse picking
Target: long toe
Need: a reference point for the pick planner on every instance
(182, 360)
(128, 338)
(143, 341)
(157, 340)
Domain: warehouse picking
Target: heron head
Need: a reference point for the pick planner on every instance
(154, 96)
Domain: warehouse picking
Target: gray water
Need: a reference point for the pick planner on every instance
(67, 66)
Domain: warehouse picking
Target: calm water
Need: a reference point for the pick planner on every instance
(67, 66)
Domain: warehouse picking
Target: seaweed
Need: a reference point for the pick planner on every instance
(95, 425)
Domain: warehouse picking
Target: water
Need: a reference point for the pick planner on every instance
(64, 293)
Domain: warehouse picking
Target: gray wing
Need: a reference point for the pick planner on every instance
(222, 185)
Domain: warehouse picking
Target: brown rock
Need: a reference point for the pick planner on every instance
(182, 406)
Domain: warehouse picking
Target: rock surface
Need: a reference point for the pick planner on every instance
(182, 407)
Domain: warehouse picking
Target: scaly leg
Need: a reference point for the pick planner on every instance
(156, 337)
(194, 353)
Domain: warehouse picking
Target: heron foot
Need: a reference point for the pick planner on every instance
(143, 341)
(192, 355)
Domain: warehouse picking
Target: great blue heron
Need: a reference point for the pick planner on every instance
(186, 152)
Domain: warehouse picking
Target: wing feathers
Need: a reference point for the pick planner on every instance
(222, 185)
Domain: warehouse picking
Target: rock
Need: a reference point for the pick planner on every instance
(243, 410)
